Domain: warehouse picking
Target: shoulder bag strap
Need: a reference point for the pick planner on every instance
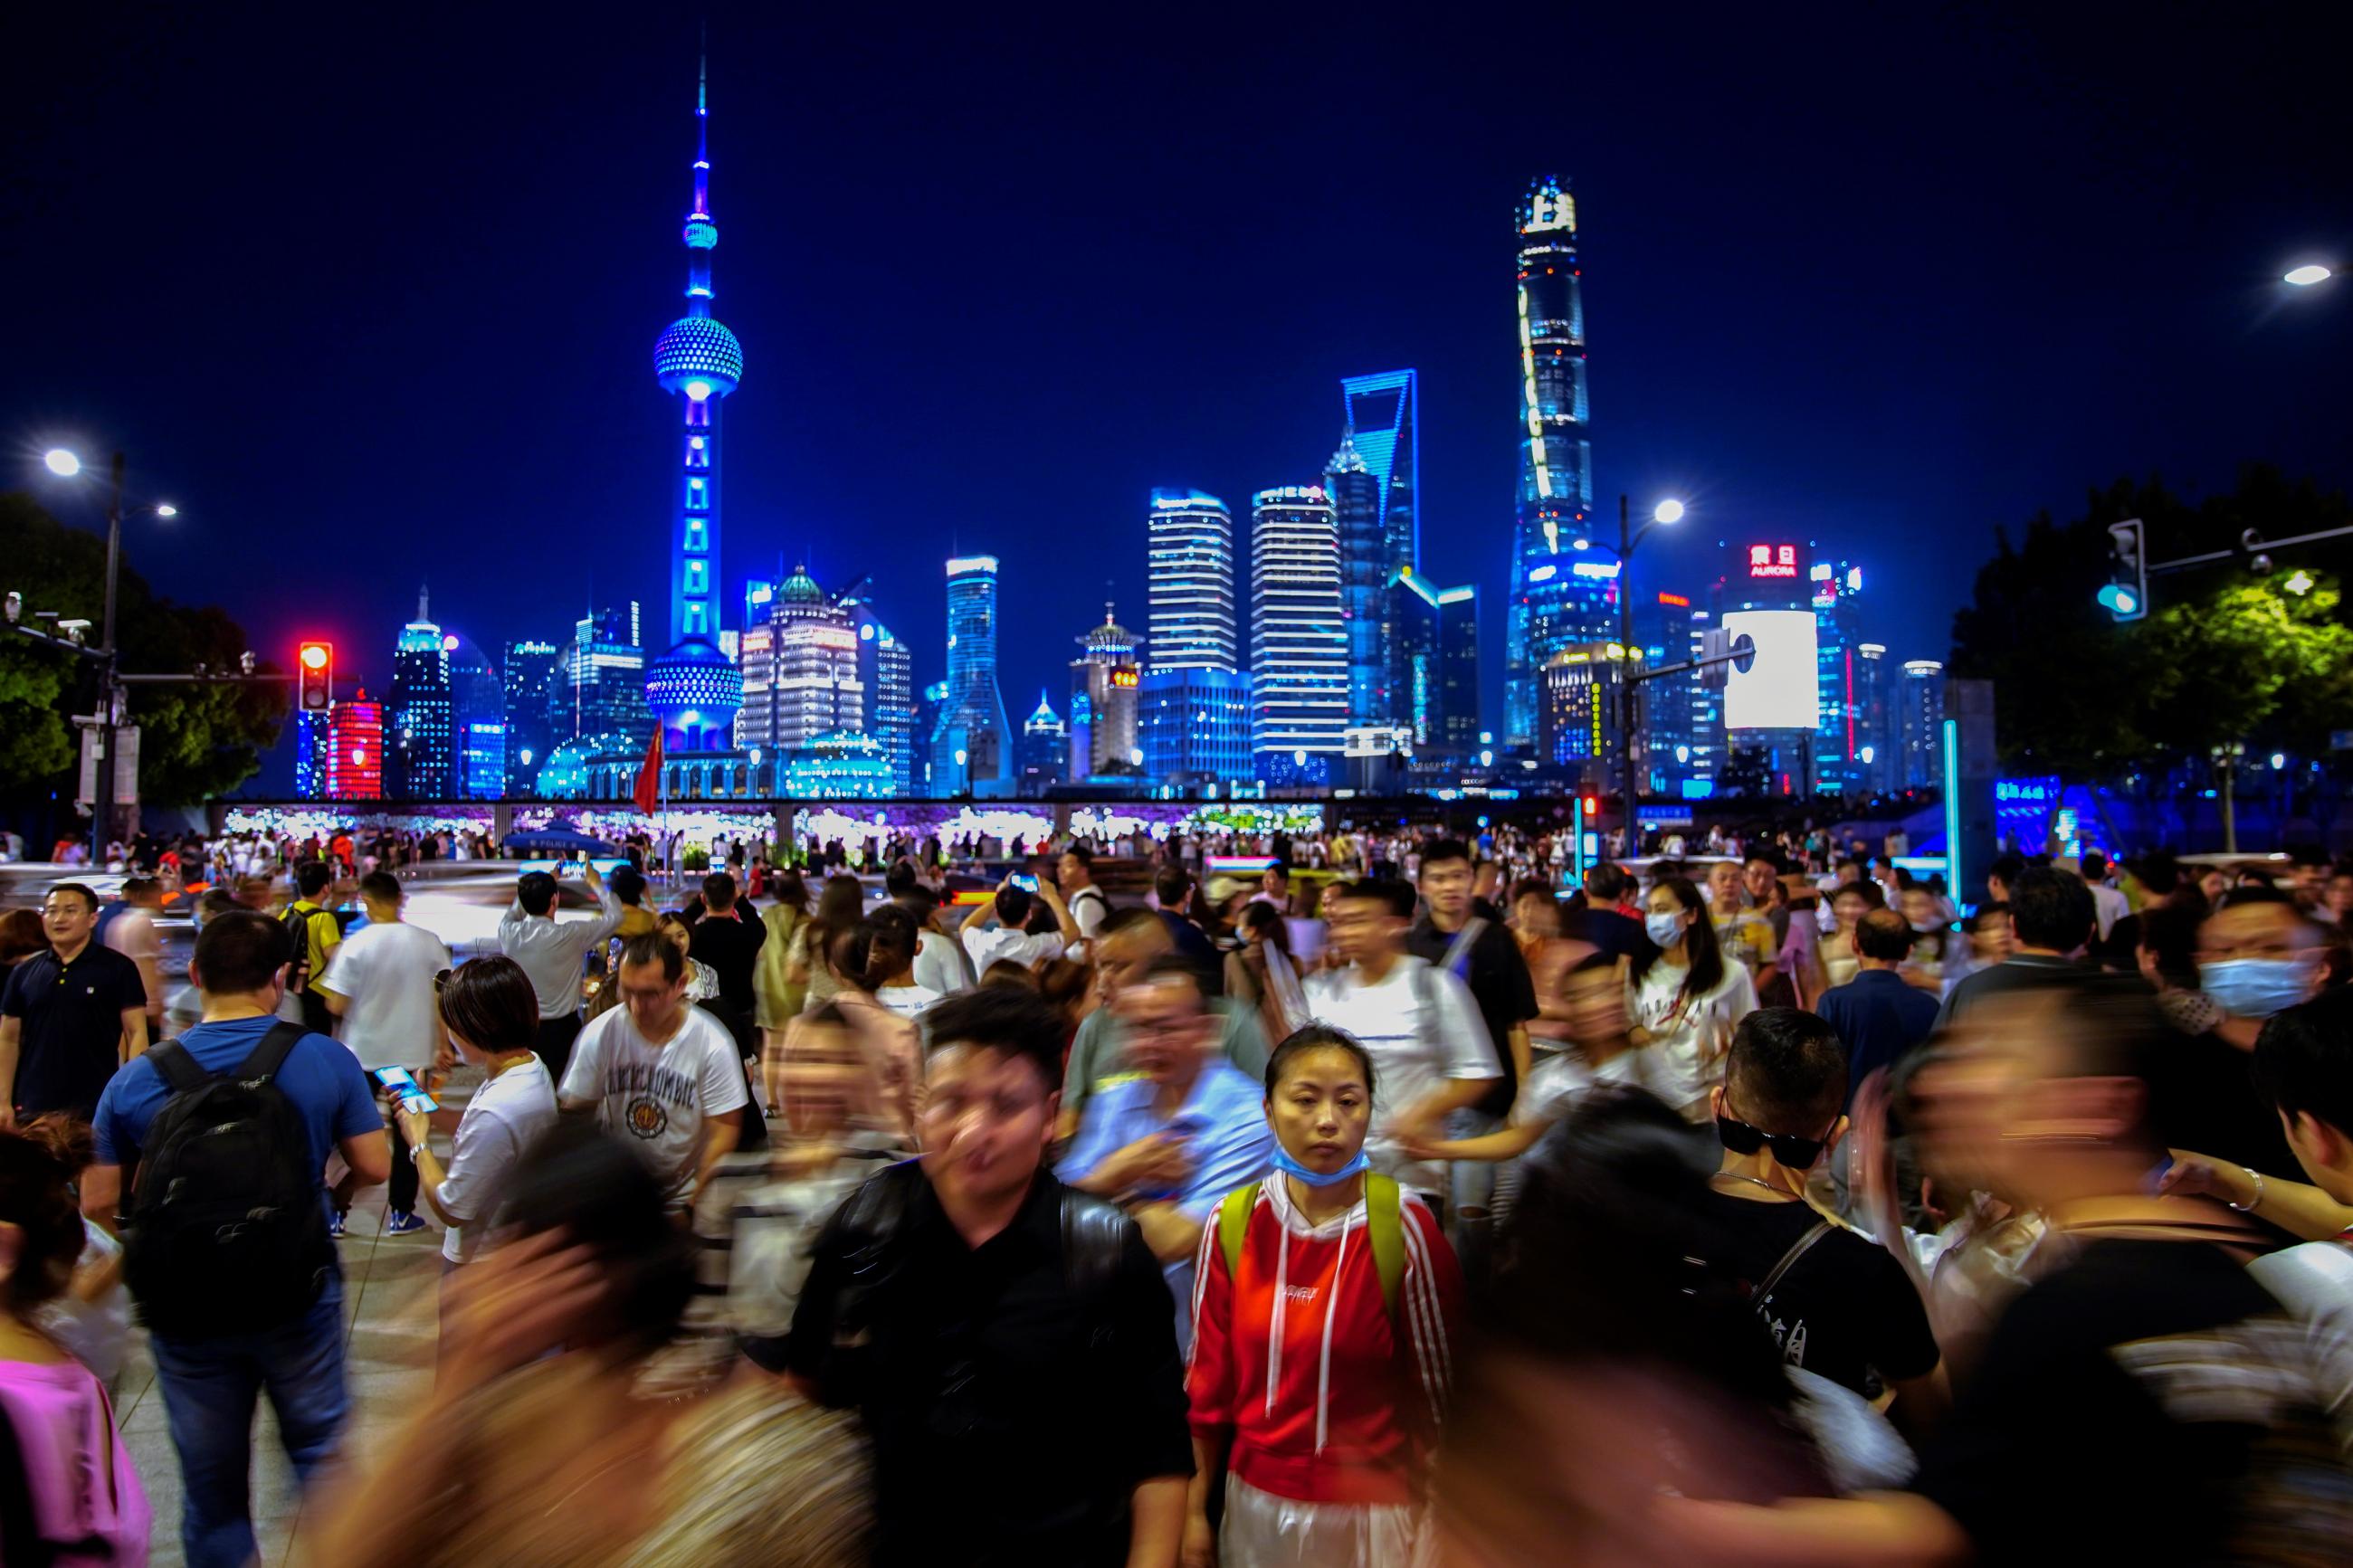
(1233, 1222)
(177, 1068)
(1798, 1250)
(1384, 1229)
(270, 1056)
(1458, 956)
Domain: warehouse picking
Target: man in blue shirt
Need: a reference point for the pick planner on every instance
(211, 1384)
(1187, 1129)
(1878, 1014)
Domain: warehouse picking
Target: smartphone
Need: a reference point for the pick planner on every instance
(1025, 881)
(402, 1082)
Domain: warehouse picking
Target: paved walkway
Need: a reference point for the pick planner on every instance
(391, 1296)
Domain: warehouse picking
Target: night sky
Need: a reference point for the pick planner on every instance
(373, 300)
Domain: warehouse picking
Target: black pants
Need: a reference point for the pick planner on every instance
(554, 1044)
(400, 1195)
(315, 1016)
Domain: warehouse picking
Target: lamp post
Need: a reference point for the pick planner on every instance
(1628, 538)
(2226, 764)
(65, 465)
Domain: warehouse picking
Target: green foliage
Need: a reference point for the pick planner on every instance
(2223, 656)
(196, 741)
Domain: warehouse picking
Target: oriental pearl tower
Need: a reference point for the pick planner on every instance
(694, 690)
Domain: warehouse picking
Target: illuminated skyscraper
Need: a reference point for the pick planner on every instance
(355, 768)
(1872, 672)
(1918, 722)
(417, 726)
(800, 671)
(1551, 607)
(527, 681)
(694, 690)
(886, 671)
(1843, 752)
(600, 681)
(477, 722)
(973, 746)
(1383, 417)
(1355, 491)
(1432, 661)
(1103, 679)
(1299, 649)
(1045, 749)
(1189, 558)
(313, 734)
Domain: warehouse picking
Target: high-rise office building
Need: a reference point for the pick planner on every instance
(1409, 646)
(1458, 668)
(1765, 761)
(1663, 630)
(355, 769)
(313, 734)
(1045, 758)
(527, 681)
(1365, 576)
(929, 706)
(1872, 672)
(477, 722)
(1194, 726)
(1299, 650)
(417, 716)
(972, 747)
(1580, 724)
(1843, 751)
(1104, 680)
(1382, 418)
(600, 681)
(886, 670)
(1189, 563)
(694, 690)
(1551, 606)
(1707, 732)
(800, 671)
(1920, 723)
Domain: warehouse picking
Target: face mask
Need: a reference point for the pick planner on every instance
(1291, 1167)
(2255, 987)
(1927, 925)
(1663, 929)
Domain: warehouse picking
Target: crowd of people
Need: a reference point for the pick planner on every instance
(1385, 1208)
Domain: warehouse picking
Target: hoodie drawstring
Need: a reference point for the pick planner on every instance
(1331, 1308)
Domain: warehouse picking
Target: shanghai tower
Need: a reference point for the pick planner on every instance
(1552, 605)
(695, 690)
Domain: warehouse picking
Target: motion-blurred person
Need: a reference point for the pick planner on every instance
(1416, 1021)
(68, 1491)
(776, 999)
(1319, 1372)
(729, 944)
(2145, 1327)
(839, 907)
(228, 1253)
(535, 1444)
(1089, 908)
(1453, 935)
(2108, 904)
(1939, 957)
(128, 926)
(1849, 903)
(2051, 917)
(1687, 1000)
(21, 936)
(1132, 939)
(313, 934)
(1613, 919)
(552, 952)
(1838, 1305)
(491, 1015)
(1173, 890)
(662, 1076)
(889, 973)
(1876, 1015)
(1009, 937)
(1180, 1132)
(628, 885)
(1742, 933)
(1263, 974)
(940, 962)
(71, 1016)
(380, 984)
(92, 1318)
(986, 1319)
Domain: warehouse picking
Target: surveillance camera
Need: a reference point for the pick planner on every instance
(76, 630)
(245, 662)
(2261, 565)
(2251, 539)
(15, 605)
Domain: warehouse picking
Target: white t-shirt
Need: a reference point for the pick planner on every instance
(989, 943)
(907, 1001)
(506, 1116)
(1412, 1054)
(939, 966)
(1689, 1040)
(1089, 909)
(1556, 1084)
(2109, 905)
(658, 1096)
(385, 973)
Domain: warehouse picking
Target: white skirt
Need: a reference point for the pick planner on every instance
(1263, 1530)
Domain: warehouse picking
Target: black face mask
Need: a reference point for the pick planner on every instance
(1793, 1152)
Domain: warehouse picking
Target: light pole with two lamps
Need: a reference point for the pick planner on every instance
(1666, 511)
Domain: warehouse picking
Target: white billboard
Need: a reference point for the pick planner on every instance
(1780, 688)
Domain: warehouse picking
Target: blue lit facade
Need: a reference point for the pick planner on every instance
(972, 748)
(694, 690)
(1663, 631)
(1365, 573)
(313, 736)
(477, 722)
(1845, 753)
(1551, 607)
(1194, 726)
(886, 670)
(1045, 756)
(1383, 412)
(1410, 644)
(1299, 646)
(527, 682)
(1189, 566)
(844, 765)
(1458, 668)
(417, 716)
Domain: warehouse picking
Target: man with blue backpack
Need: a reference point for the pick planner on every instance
(227, 1246)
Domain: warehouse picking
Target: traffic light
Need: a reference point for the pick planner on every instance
(315, 665)
(2126, 596)
(1592, 803)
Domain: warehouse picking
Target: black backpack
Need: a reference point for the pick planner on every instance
(296, 926)
(228, 1233)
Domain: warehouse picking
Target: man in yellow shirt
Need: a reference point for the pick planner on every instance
(320, 935)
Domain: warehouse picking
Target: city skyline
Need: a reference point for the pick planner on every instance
(577, 489)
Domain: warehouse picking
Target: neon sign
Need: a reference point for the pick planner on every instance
(1766, 560)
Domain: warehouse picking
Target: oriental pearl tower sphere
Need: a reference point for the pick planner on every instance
(694, 690)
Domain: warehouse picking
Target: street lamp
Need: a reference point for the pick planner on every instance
(2305, 275)
(62, 463)
(1666, 511)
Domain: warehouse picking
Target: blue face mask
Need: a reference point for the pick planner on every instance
(1291, 1167)
(1663, 929)
(2256, 987)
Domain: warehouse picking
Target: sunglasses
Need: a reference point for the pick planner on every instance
(1793, 1152)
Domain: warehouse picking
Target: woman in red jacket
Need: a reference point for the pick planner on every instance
(1324, 1302)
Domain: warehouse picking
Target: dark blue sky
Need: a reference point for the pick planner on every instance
(373, 297)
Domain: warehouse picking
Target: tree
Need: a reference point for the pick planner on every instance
(196, 741)
(2222, 657)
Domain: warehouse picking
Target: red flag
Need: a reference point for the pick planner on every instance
(648, 795)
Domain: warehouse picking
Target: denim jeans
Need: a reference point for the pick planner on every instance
(209, 1391)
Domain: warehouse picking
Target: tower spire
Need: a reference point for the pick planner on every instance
(701, 234)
